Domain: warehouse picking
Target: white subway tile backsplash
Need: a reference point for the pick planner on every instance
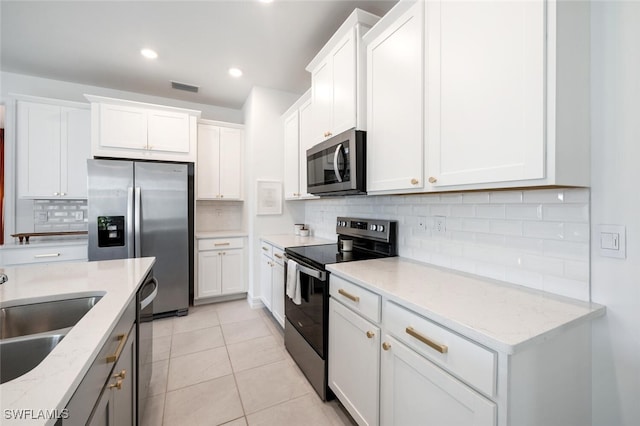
(59, 215)
(535, 238)
(524, 211)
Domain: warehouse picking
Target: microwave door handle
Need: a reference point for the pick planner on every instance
(335, 162)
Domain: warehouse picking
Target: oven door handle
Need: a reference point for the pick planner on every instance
(312, 272)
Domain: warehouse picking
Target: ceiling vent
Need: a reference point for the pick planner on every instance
(185, 87)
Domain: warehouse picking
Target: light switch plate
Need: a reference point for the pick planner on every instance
(611, 240)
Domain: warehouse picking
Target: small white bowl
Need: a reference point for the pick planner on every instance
(304, 232)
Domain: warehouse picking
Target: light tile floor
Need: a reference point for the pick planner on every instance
(226, 363)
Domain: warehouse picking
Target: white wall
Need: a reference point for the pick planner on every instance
(264, 138)
(615, 199)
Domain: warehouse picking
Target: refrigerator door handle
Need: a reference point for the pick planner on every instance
(130, 228)
(138, 222)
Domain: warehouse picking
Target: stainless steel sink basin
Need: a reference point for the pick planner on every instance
(21, 355)
(35, 318)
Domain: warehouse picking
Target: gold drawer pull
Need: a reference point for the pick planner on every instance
(349, 296)
(443, 349)
(386, 346)
(120, 375)
(221, 244)
(432, 179)
(370, 334)
(414, 181)
(123, 339)
(117, 384)
(279, 256)
(265, 249)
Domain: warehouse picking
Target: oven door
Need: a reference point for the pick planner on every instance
(310, 318)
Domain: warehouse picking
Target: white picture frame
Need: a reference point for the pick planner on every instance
(269, 197)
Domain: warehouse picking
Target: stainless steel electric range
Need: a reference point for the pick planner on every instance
(307, 324)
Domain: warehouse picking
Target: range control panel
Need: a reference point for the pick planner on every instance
(381, 230)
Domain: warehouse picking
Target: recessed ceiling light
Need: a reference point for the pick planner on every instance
(235, 72)
(149, 54)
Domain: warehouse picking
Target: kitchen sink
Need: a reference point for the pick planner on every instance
(22, 320)
(22, 354)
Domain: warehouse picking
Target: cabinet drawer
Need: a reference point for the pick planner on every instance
(24, 256)
(278, 256)
(220, 243)
(357, 298)
(266, 249)
(470, 362)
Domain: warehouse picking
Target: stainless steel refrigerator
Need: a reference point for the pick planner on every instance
(141, 209)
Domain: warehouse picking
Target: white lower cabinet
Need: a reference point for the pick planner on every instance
(414, 391)
(34, 253)
(272, 280)
(354, 362)
(220, 267)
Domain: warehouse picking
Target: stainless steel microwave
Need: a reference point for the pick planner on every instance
(337, 166)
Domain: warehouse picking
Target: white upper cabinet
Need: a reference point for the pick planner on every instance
(219, 171)
(395, 142)
(337, 79)
(507, 94)
(137, 130)
(478, 95)
(53, 145)
(298, 121)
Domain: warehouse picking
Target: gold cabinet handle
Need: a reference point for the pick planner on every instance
(349, 296)
(117, 384)
(279, 256)
(120, 375)
(39, 256)
(414, 181)
(222, 244)
(443, 349)
(265, 249)
(123, 339)
(386, 346)
(370, 334)
(432, 179)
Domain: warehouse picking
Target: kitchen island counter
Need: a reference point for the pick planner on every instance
(51, 384)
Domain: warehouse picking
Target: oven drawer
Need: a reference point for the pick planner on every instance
(363, 301)
(278, 256)
(469, 361)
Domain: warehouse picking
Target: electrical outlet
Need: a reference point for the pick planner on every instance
(439, 225)
(422, 223)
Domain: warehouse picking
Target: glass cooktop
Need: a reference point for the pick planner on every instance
(322, 255)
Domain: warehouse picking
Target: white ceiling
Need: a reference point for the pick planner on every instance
(98, 43)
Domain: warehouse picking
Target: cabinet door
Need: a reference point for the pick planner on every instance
(343, 60)
(292, 149)
(305, 131)
(266, 287)
(208, 179)
(355, 362)
(230, 163)
(103, 412)
(38, 150)
(76, 149)
(233, 271)
(123, 127)
(209, 273)
(125, 398)
(485, 91)
(277, 295)
(322, 94)
(395, 144)
(168, 131)
(413, 391)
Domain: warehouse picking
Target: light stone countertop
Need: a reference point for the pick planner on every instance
(51, 384)
(501, 316)
(283, 241)
(220, 234)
